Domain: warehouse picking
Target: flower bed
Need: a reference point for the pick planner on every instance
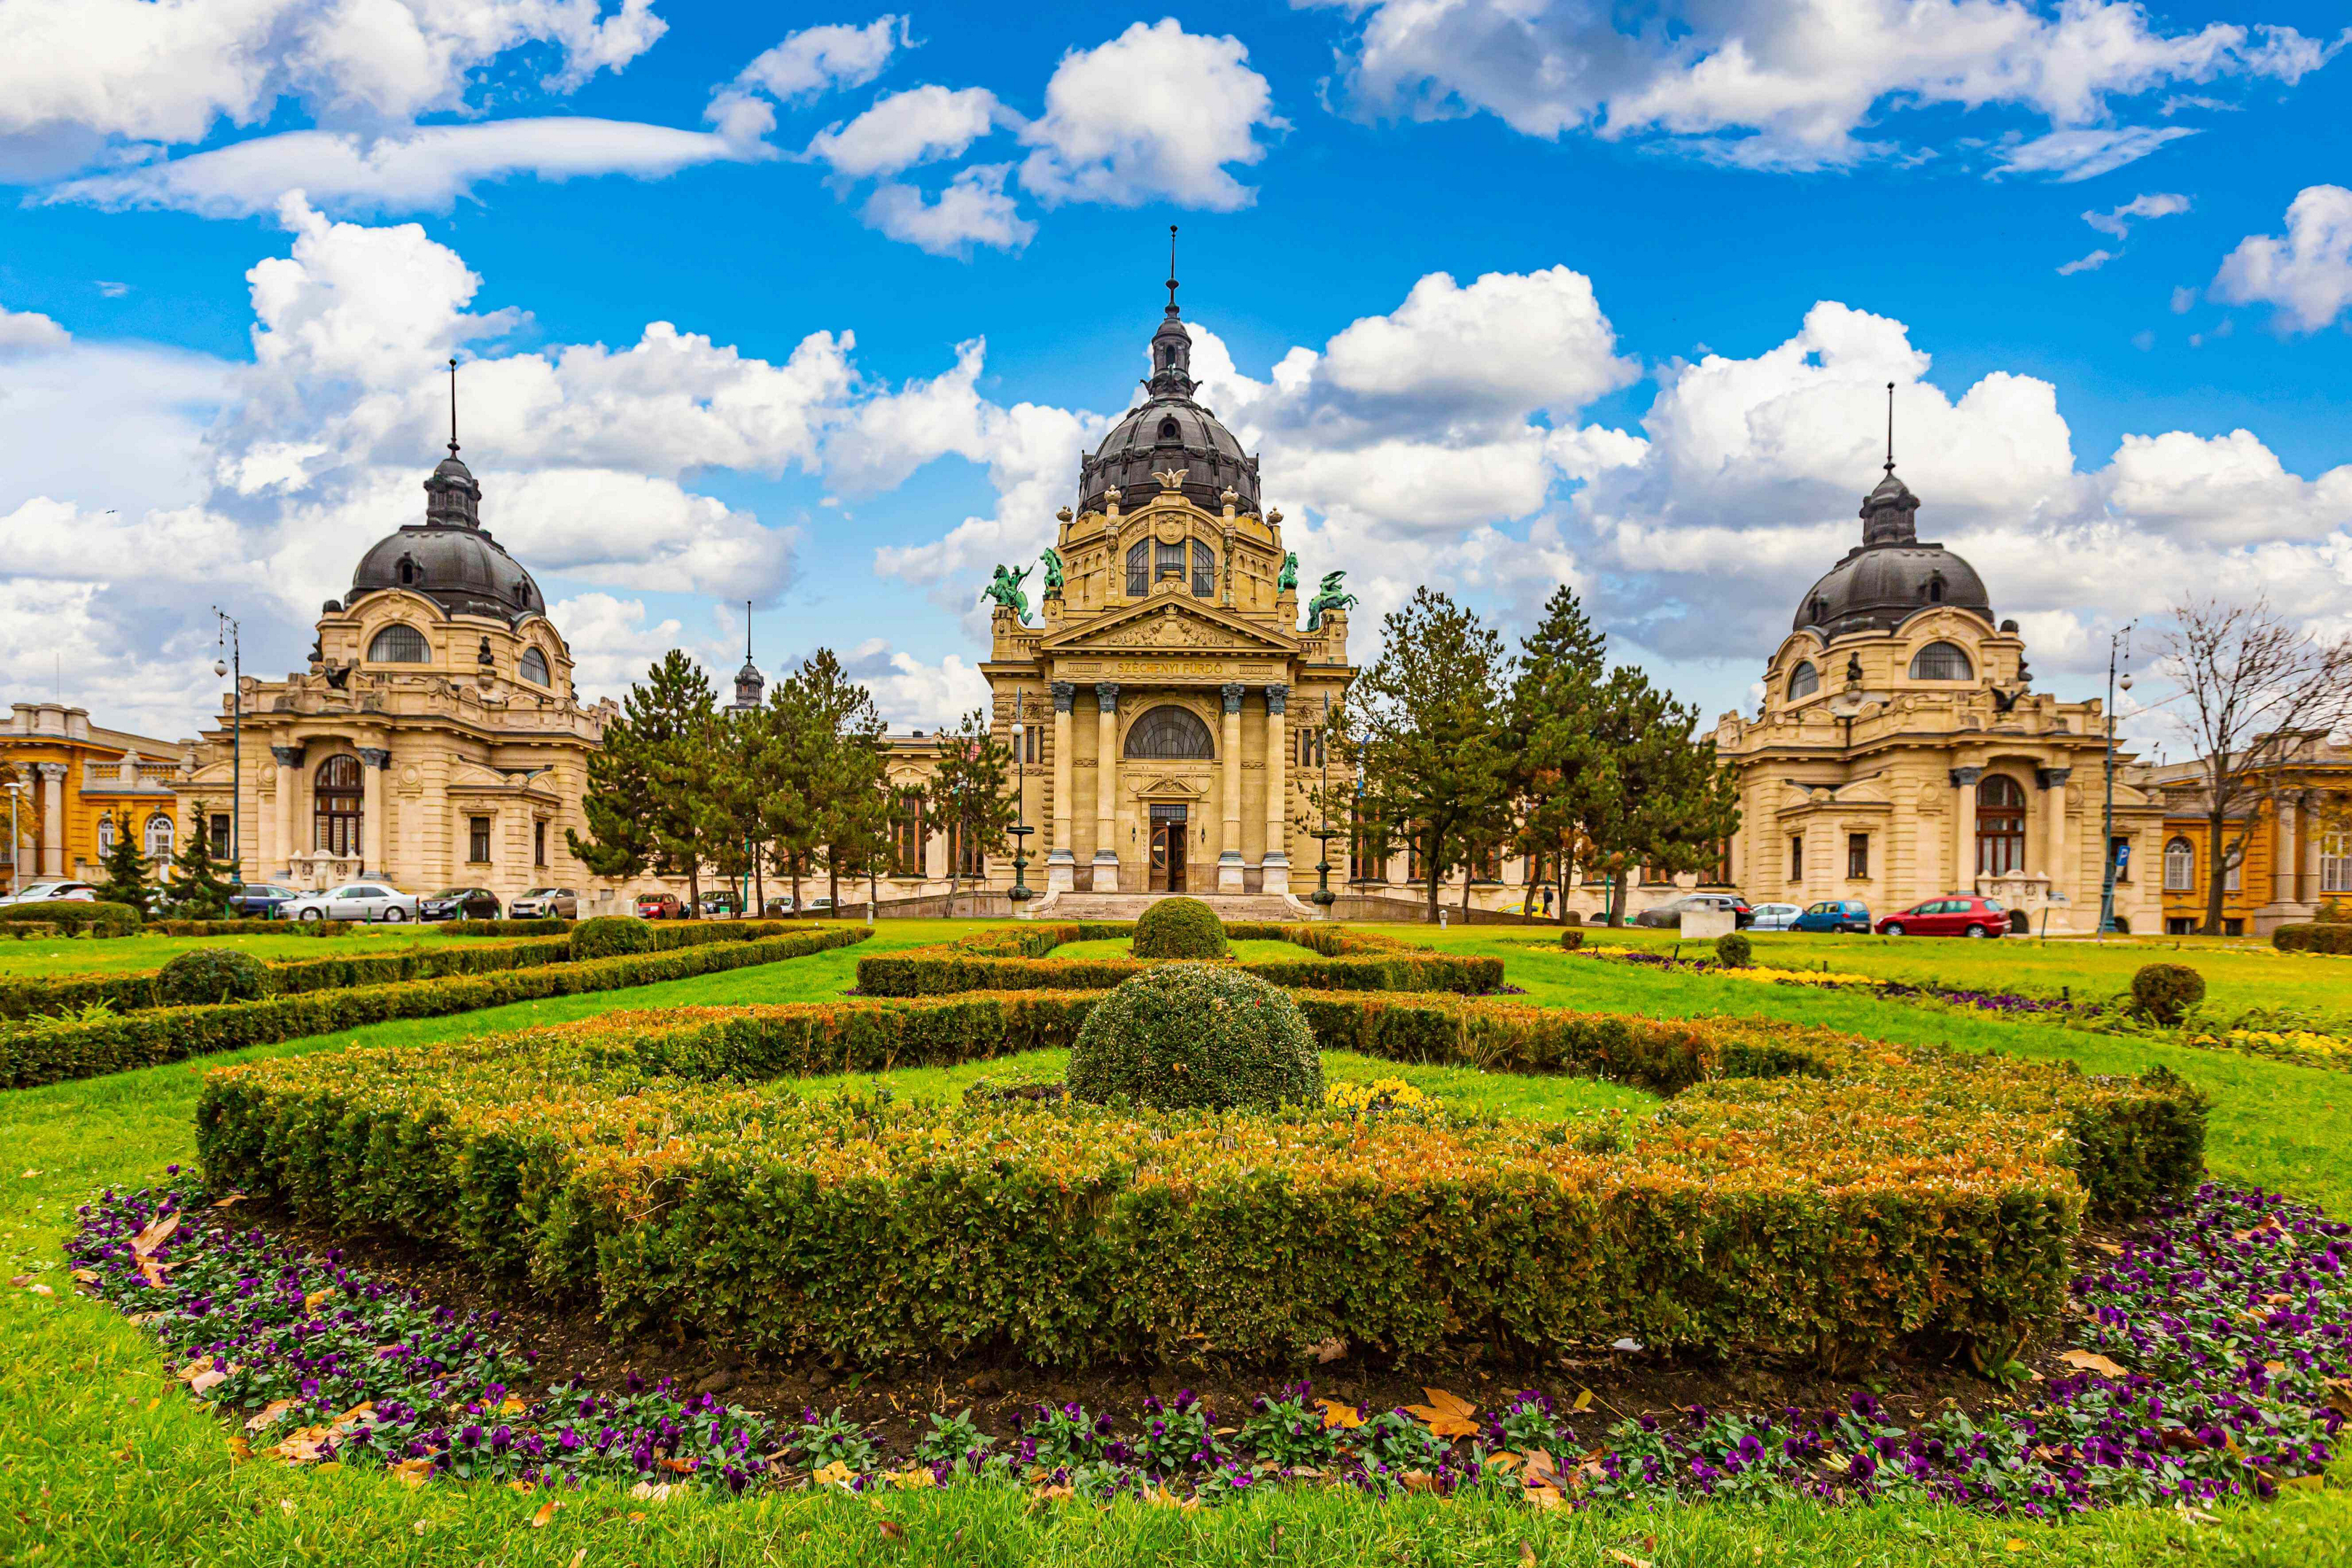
(49, 1050)
(2173, 1392)
(1021, 958)
(1841, 1196)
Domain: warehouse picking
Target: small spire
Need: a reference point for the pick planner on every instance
(747, 631)
(453, 406)
(1890, 427)
(1172, 269)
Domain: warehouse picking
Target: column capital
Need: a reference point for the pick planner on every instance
(1966, 778)
(2052, 778)
(1277, 699)
(1065, 693)
(377, 757)
(287, 756)
(1232, 692)
(54, 772)
(1106, 692)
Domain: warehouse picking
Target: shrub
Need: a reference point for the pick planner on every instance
(1732, 950)
(2166, 992)
(1180, 928)
(552, 926)
(1572, 939)
(210, 974)
(98, 918)
(2314, 937)
(2334, 912)
(1196, 1035)
(1021, 958)
(608, 936)
(250, 926)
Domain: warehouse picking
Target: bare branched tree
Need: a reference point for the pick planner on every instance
(2254, 688)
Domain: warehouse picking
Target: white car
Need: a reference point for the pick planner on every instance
(352, 901)
(53, 892)
(545, 903)
(1775, 917)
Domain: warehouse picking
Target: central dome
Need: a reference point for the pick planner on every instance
(448, 558)
(1168, 430)
(1890, 576)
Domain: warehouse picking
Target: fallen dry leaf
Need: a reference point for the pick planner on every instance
(201, 1374)
(1527, 1554)
(2092, 1360)
(2012, 1544)
(1327, 1351)
(85, 1276)
(1541, 1497)
(1338, 1415)
(152, 1272)
(1419, 1482)
(836, 1474)
(1445, 1414)
(890, 1528)
(1627, 1560)
(658, 1492)
(545, 1516)
(1583, 1402)
(154, 1235)
(579, 1557)
(416, 1472)
(268, 1414)
(917, 1479)
(40, 1290)
(311, 1302)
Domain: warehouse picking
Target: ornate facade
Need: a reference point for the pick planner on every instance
(1901, 752)
(84, 784)
(2296, 856)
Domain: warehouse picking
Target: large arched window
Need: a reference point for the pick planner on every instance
(2000, 826)
(1139, 569)
(159, 837)
(1170, 734)
(399, 645)
(532, 667)
(336, 789)
(1803, 680)
(105, 835)
(1205, 570)
(1168, 561)
(2179, 866)
(1941, 661)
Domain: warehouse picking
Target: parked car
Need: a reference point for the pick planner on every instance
(53, 892)
(261, 900)
(458, 904)
(1955, 916)
(547, 903)
(719, 906)
(355, 901)
(1773, 917)
(1670, 913)
(1834, 915)
(659, 907)
(778, 906)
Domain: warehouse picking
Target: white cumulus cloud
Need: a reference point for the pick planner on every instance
(1157, 113)
(2306, 273)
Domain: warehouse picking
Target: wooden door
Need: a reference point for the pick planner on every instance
(1167, 855)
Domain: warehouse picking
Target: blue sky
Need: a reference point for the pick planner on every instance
(816, 306)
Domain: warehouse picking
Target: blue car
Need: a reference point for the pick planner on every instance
(1834, 914)
(260, 898)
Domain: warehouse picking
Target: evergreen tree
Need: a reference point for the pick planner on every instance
(1554, 713)
(1658, 797)
(844, 766)
(1430, 732)
(971, 796)
(126, 872)
(198, 891)
(742, 754)
(791, 823)
(648, 798)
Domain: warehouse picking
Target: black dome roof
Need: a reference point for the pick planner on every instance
(1891, 575)
(1168, 430)
(447, 557)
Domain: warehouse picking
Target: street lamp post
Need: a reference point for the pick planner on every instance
(1324, 897)
(234, 668)
(2120, 641)
(1021, 830)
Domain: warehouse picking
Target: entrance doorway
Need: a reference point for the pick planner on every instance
(1168, 834)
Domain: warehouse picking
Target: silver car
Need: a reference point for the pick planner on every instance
(545, 903)
(352, 901)
(1775, 917)
(53, 892)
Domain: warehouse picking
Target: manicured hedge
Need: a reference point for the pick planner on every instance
(2321, 936)
(24, 998)
(549, 927)
(1021, 958)
(251, 926)
(43, 1052)
(98, 918)
(1852, 1195)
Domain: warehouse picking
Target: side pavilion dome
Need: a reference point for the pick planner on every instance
(1890, 576)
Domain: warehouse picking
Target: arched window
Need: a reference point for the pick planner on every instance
(159, 837)
(1168, 561)
(399, 645)
(1170, 735)
(105, 835)
(336, 788)
(1803, 680)
(407, 570)
(1205, 571)
(1934, 591)
(2000, 826)
(1168, 429)
(1941, 661)
(2179, 866)
(532, 667)
(1139, 569)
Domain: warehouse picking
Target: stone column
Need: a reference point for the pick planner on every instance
(53, 818)
(2286, 852)
(2054, 827)
(1276, 861)
(290, 786)
(373, 760)
(1061, 865)
(1229, 862)
(1105, 862)
(1964, 830)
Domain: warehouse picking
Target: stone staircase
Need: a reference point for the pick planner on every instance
(1129, 906)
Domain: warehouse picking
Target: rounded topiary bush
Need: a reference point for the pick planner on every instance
(1196, 1035)
(1180, 928)
(2166, 992)
(1731, 951)
(609, 936)
(211, 974)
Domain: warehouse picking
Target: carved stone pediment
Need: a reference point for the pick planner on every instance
(1176, 624)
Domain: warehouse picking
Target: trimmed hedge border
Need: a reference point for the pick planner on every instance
(97, 917)
(52, 1053)
(2323, 936)
(549, 927)
(252, 925)
(1804, 1195)
(1021, 958)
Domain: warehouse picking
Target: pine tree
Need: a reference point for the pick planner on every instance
(648, 802)
(846, 732)
(969, 794)
(1657, 795)
(1431, 734)
(1554, 713)
(791, 824)
(197, 889)
(126, 872)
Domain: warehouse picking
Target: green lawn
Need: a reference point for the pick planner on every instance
(116, 955)
(1121, 947)
(104, 1460)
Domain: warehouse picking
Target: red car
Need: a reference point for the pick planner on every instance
(659, 907)
(1957, 916)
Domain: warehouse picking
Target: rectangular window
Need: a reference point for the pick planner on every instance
(2229, 878)
(1205, 571)
(1368, 849)
(217, 842)
(538, 841)
(1857, 854)
(963, 852)
(907, 836)
(1033, 742)
(477, 840)
(1138, 570)
(2335, 863)
(1796, 858)
(2179, 866)
(2233, 927)
(1168, 561)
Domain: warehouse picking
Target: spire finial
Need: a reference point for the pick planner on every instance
(1172, 269)
(747, 631)
(453, 406)
(1890, 427)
